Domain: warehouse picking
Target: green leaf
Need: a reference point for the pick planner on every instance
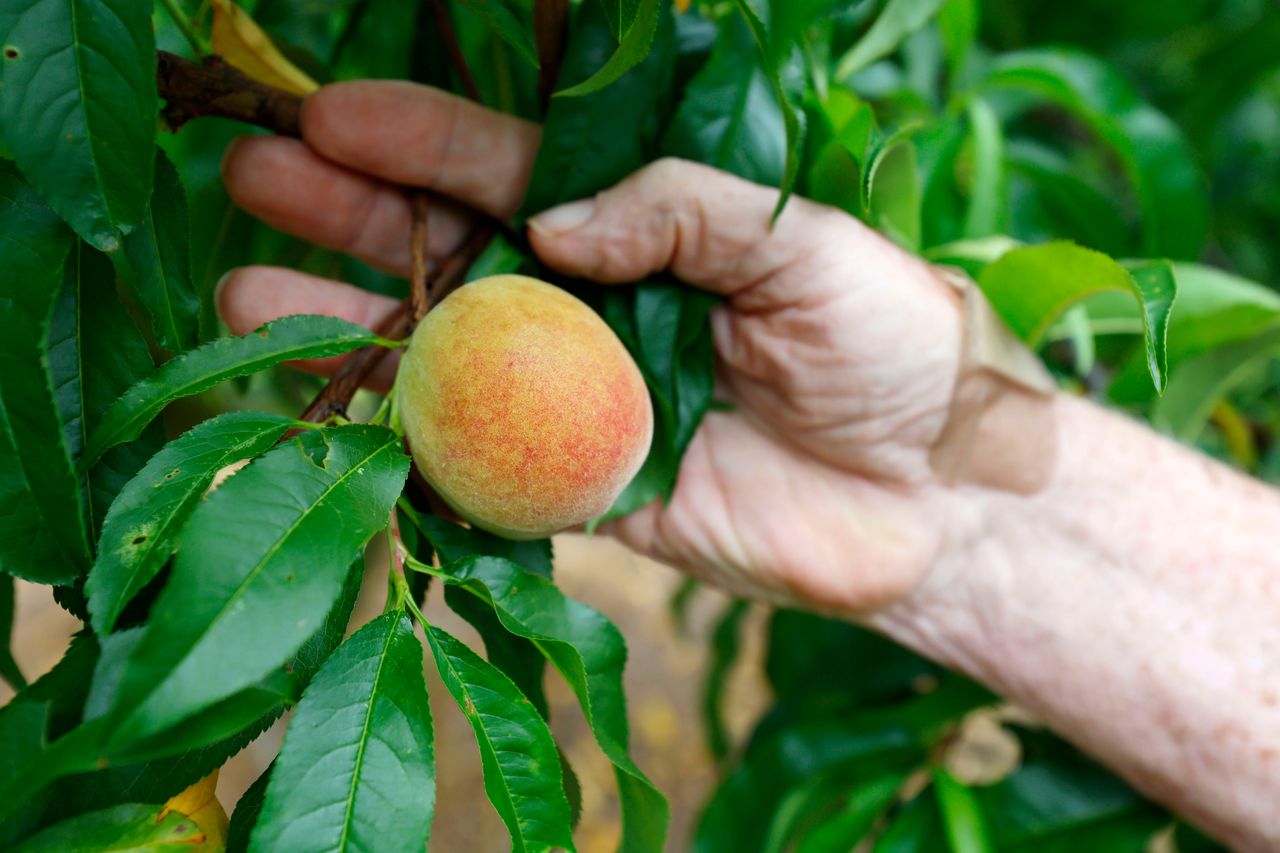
(621, 15)
(743, 809)
(842, 831)
(893, 192)
(246, 813)
(1074, 207)
(962, 816)
(42, 535)
(1031, 287)
(665, 328)
(724, 651)
(508, 20)
(1059, 801)
(259, 564)
(22, 737)
(782, 67)
(454, 542)
(522, 774)
(159, 260)
(899, 19)
(140, 528)
(728, 117)
(95, 353)
(517, 657)
(1198, 384)
(180, 756)
(589, 652)
(78, 108)
(809, 656)
(636, 44)
(958, 25)
(9, 670)
(988, 194)
(1160, 165)
(301, 336)
(1214, 309)
(592, 142)
(130, 827)
(220, 721)
(916, 828)
(499, 258)
(356, 769)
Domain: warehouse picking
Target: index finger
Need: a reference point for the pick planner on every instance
(410, 134)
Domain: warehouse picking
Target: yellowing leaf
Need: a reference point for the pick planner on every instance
(200, 805)
(683, 5)
(242, 43)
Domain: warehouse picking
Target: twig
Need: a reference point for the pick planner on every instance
(212, 87)
(456, 58)
(335, 396)
(419, 263)
(551, 29)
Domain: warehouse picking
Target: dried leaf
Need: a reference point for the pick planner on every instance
(240, 41)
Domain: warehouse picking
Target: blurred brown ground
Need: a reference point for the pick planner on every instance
(664, 677)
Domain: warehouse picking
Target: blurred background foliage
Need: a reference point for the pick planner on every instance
(1141, 129)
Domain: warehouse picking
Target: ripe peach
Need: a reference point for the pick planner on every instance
(522, 408)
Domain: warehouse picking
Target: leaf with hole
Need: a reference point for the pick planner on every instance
(142, 525)
(259, 564)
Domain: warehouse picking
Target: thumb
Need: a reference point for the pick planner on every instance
(706, 226)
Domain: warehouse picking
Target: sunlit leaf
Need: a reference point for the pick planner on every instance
(1031, 287)
(988, 192)
(962, 816)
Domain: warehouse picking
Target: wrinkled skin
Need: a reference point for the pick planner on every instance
(838, 351)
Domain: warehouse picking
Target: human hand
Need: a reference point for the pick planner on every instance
(837, 350)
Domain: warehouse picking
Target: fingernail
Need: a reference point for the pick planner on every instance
(566, 217)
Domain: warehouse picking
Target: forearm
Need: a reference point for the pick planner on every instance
(1133, 604)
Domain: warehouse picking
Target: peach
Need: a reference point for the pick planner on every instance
(522, 407)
